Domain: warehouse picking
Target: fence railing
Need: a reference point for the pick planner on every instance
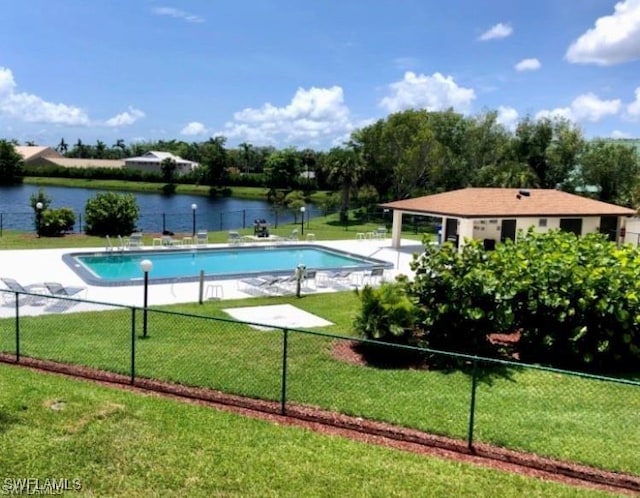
(157, 222)
(571, 416)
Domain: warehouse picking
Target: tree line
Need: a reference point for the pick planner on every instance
(413, 153)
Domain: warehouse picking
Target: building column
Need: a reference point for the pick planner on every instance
(396, 228)
(465, 230)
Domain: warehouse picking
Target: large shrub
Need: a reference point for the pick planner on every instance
(387, 314)
(574, 300)
(55, 222)
(111, 214)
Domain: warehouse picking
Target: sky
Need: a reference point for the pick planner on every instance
(292, 73)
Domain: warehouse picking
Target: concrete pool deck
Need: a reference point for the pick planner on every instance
(36, 266)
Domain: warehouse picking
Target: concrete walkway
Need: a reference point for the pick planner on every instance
(36, 266)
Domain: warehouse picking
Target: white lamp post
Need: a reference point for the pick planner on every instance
(193, 211)
(146, 266)
(39, 207)
(302, 210)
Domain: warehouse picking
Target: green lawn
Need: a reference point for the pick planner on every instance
(124, 444)
(577, 419)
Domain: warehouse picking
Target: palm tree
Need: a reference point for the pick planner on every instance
(246, 155)
(62, 147)
(344, 167)
(100, 149)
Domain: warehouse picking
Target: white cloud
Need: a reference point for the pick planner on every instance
(633, 109)
(585, 107)
(507, 117)
(619, 134)
(614, 39)
(194, 128)
(125, 118)
(528, 65)
(313, 116)
(500, 30)
(433, 93)
(178, 14)
(33, 109)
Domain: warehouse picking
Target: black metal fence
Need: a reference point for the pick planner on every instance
(575, 417)
(214, 220)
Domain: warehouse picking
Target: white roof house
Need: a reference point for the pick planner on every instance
(151, 162)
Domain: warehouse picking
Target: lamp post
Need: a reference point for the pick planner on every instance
(146, 266)
(302, 210)
(39, 207)
(193, 211)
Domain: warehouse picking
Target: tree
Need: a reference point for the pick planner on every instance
(344, 168)
(247, 153)
(110, 213)
(168, 168)
(282, 169)
(62, 147)
(550, 147)
(214, 161)
(613, 168)
(100, 149)
(10, 163)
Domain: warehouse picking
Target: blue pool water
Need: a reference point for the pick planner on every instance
(175, 265)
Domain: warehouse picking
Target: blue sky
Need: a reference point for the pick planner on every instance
(307, 73)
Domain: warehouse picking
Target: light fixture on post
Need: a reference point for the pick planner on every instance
(39, 207)
(302, 210)
(146, 266)
(193, 219)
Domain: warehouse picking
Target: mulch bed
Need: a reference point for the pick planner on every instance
(356, 428)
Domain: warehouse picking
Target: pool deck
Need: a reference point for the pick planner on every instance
(31, 267)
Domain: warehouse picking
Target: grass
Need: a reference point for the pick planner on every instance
(573, 418)
(583, 420)
(124, 444)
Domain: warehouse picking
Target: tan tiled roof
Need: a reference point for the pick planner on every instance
(74, 162)
(32, 151)
(507, 202)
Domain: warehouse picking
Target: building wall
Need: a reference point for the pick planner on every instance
(491, 228)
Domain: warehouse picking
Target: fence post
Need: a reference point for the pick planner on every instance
(164, 222)
(0, 224)
(472, 407)
(133, 345)
(283, 395)
(17, 327)
(244, 218)
(221, 221)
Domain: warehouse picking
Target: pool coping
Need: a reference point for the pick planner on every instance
(91, 279)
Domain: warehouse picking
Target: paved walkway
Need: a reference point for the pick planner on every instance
(37, 266)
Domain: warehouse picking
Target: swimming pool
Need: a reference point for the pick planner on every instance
(185, 265)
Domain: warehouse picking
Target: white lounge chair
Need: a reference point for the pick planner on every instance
(234, 238)
(63, 297)
(135, 240)
(374, 276)
(202, 237)
(22, 293)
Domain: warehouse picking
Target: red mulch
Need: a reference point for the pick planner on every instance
(359, 429)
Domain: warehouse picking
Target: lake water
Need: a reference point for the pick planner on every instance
(157, 212)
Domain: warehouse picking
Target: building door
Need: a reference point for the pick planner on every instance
(508, 230)
(609, 226)
(573, 225)
(451, 232)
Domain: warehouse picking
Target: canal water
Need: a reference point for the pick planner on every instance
(157, 212)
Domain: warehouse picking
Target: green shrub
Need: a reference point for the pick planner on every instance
(111, 213)
(387, 315)
(55, 222)
(574, 300)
